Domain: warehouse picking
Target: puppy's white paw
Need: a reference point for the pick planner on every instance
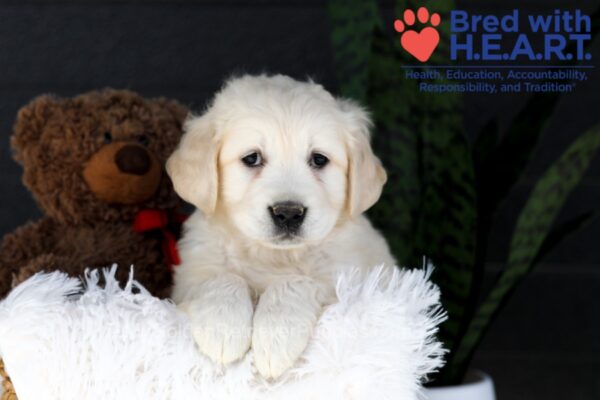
(221, 318)
(283, 325)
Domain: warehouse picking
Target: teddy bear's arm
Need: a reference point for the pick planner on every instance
(105, 244)
(19, 248)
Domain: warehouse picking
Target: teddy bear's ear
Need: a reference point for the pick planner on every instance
(29, 126)
(177, 110)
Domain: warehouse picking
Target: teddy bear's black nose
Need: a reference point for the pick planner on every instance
(133, 159)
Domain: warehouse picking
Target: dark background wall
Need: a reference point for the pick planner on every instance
(545, 344)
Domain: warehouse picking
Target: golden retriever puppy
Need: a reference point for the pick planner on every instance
(280, 172)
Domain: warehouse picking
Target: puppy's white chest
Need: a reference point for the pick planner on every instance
(262, 272)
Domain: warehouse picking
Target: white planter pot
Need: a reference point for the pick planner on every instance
(478, 386)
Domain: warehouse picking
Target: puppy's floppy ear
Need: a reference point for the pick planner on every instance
(193, 166)
(366, 175)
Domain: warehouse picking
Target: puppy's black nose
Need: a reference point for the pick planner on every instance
(288, 215)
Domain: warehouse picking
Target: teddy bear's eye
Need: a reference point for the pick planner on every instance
(144, 140)
(107, 137)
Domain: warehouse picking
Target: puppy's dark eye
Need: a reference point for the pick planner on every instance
(318, 160)
(144, 140)
(253, 160)
(107, 137)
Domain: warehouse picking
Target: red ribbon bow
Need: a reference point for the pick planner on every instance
(151, 220)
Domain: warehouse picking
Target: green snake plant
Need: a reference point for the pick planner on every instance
(443, 192)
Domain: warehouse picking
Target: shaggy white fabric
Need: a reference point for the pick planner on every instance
(65, 339)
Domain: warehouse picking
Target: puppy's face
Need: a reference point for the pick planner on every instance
(283, 180)
(282, 160)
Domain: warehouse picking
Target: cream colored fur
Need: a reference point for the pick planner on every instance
(240, 283)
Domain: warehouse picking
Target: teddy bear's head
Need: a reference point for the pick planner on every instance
(98, 156)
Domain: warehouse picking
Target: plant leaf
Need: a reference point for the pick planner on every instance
(497, 173)
(532, 229)
(485, 143)
(561, 232)
(352, 30)
(428, 205)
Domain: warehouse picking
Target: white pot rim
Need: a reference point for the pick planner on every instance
(479, 376)
(479, 387)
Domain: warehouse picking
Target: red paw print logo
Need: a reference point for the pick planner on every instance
(419, 44)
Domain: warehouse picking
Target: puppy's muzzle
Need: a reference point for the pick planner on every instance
(288, 216)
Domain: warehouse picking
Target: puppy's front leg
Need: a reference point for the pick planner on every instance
(283, 323)
(220, 309)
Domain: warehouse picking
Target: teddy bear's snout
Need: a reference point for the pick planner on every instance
(123, 173)
(133, 159)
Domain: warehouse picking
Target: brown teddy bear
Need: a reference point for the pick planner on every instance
(94, 164)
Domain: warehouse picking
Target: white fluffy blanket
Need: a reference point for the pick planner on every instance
(65, 339)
